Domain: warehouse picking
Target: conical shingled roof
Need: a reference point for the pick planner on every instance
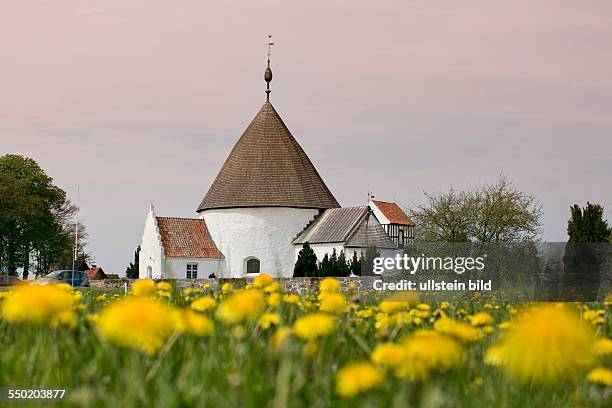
(268, 168)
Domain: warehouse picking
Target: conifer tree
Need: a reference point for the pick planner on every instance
(306, 264)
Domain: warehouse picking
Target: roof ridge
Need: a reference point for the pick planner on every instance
(357, 224)
(179, 218)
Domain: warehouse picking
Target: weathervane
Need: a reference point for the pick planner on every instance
(268, 73)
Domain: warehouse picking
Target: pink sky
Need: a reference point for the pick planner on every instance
(140, 101)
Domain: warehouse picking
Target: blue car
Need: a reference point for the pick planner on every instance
(73, 278)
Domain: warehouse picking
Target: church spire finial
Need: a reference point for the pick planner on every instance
(268, 73)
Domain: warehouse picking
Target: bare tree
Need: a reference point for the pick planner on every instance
(493, 213)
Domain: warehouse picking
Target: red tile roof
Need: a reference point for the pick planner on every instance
(186, 238)
(95, 272)
(393, 212)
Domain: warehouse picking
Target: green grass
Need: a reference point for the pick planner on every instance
(226, 371)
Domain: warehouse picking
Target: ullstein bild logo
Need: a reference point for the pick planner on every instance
(413, 264)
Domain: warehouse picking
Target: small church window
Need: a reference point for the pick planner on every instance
(253, 265)
(192, 271)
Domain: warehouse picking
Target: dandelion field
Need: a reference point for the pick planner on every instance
(258, 346)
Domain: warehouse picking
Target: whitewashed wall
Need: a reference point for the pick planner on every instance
(262, 232)
(321, 249)
(378, 214)
(176, 268)
(151, 249)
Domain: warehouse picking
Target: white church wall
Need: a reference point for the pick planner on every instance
(321, 249)
(151, 258)
(262, 232)
(176, 268)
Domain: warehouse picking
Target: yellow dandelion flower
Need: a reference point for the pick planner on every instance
(332, 302)
(291, 298)
(389, 355)
(459, 330)
(190, 322)
(164, 293)
(92, 318)
(78, 295)
(600, 375)
(308, 305)
(402, 318)
(191, 291)
(444, 305)
(357, 378)
(204, 303)
(602, 347)
(505, 325)
(242, 306)
(274, 300)
(428, 350)
(226, 287)
(268, 320)
(494, 356)
(545, 345)
(488, 329)
(383, 321)
(137, 322)
(262, 280)
(392, 306)
(423, 306)
(365, 313)
(273, 287)
(423, 314)
(313, 326)
(101, 298)
(164, 286)
(594, 316)
(329, 284)
(279, 337)
(143, 287)
(481, 319)
(39, 305)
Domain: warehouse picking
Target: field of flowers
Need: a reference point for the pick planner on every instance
(257, 346)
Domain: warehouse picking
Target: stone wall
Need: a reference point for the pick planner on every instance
(295, 285)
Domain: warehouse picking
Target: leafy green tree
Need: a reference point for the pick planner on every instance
(306, 264)
(32, 215)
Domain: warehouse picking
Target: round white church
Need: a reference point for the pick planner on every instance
(266, 202)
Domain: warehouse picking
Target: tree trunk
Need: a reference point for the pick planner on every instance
(26, 264)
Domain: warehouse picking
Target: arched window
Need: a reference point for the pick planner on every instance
(149, 272)
(252, 265)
